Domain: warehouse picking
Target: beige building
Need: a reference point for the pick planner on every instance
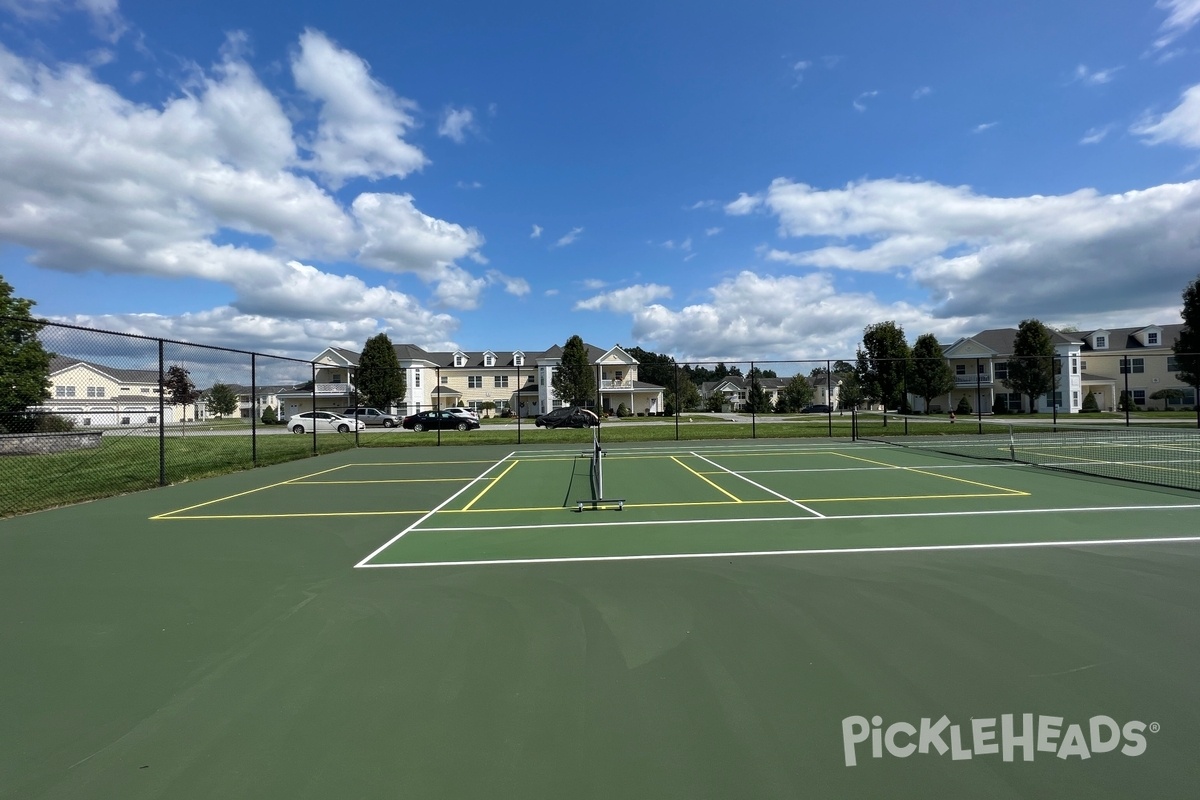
(101, 396)
(490, 382)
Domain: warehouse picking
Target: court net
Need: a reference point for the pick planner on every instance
(1159, 456)
(597, 477)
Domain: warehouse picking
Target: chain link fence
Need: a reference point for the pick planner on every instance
(128, 412)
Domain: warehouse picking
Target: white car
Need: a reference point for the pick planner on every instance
(459, 411)
(323, 421)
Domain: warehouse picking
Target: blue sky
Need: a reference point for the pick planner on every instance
(710, 180)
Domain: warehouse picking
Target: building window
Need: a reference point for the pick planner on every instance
(1074, 365)
(518, 360)
(445, 380)
(1172, 364)
(1002, 370)
(1074, 399)
(416, 379)
(474, 381)
(64, 391)
(460, 360)
(501, 381)
(489, 360)
(1134, 365)
(95, 391)
(960, 369)
(1082, 364)
(1188, 399)
(87, 421)
(1151, 338)
(1139, 396)
(1101, 342)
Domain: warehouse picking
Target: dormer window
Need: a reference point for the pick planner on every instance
(1151, 338)
(489, 360)
(1101, 342)
(518, 359)
(460, 360)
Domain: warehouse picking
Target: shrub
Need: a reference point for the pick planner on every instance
(964, 406)
(53, 423)
(622, 411)
(1089, 404)
(999, 407)
(269, 416)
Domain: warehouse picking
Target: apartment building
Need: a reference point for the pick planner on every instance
(490, 382)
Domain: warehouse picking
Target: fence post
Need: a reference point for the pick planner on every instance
(254, 409)
(978, 397)
(314, 407)
(676, 401)
(162, 428)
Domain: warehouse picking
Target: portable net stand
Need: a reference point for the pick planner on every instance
(597, 473)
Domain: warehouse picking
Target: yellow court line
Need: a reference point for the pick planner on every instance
(1016, 492)
(1109, 462)
(493, 482)
(735, 498)
(167, 514)
(412, 463)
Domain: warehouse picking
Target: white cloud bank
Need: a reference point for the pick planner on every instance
(90, 180)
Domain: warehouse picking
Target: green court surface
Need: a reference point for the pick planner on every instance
(750, 620)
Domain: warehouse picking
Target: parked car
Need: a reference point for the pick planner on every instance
(373, 416)
(433, 420)
(459, 411)
(323, 421)
(567, 417)
(817, 409)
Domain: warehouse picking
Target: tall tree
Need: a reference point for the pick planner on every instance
(379, 380)
(24, 363)
(177, 385)
(882, 363)
(796, 394)
(757, 401)
(850, 392)
(653, 367)
(1031, 368)
(221, 400)
(688, 398)
(574, 381)
(1187, 346)
(930, 374)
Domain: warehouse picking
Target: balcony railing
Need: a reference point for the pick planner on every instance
(622, 384)
(972, 380)
(335, 388)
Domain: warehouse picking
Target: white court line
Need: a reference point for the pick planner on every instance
(433, 511)
(903, 515)
(817, 552)
(796, 503)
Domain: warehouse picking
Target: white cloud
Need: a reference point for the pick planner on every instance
(859, 102)
(923, 91)
(90, 180)
(630, 300)
(1096, 135)
(1180, 126)
(569, 237)
(456, 123)
(798, 70)
(984, 126)
(514, 286)
(712, 231)
(536, 233)
(1009, 258)
(106, 19)
(745, 204)
(1181, 17)
(362, 123)
(1094, 78)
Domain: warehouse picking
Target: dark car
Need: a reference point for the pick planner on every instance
(817, 409)
(433, 420)
(568, 417)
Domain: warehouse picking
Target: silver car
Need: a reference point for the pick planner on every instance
(372, 416)
(323, 421)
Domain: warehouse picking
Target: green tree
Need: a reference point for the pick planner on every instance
(221, 400)
(1187, 346)
(1031, 368)
(24, 363)
(851, 394)
(882, 363)
(653, 367)
(757, 401)
(270, 416)
(1167, 395)
(177, 385)
(930, 375)
(1089, 403)
(688, 398)
(574, 381)
(963, 409)
(379, 379)
(715, 402)
(796, 394)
